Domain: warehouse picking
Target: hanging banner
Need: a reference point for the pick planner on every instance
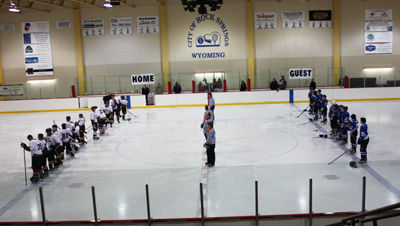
(92, 27)
(148, 24)
(378, 14)
(293, 19)
(121, 26)
(143, 79)
(300, 73)
(371, 37)
(320, 18)
(7, 27)
(384, 25)
(65, 24)
(378, 48)
(12, 90)
(265, 20)
(37, 48)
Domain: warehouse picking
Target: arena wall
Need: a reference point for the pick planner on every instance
(200, 99)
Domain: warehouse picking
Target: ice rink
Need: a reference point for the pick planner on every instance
(162, 147)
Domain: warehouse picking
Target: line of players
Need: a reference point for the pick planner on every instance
(208, 130)
(48, 152)
(341, 122)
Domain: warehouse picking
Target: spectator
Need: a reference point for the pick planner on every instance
(159, 89)
(219, 84)
(146, 91)
(243, 86)
(200, 87)
(313, 85)
(273, 85)
(283, 82)
(177, 88)
(205, 84)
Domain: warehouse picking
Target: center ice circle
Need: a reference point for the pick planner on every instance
(236, 145)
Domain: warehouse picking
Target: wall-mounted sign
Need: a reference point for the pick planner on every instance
(121, 26)
(207, 36)
(378, 48)
(293, 19)
(12, 90)
(148, 24)
(265, 20)
(93, 27)
(64, 24)
(320, 18)
(143, 79)
(37, 48)
(378, 37)
(378, 14)
(300, 73)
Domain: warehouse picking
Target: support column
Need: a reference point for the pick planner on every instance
(80, 70)
(337, 67)
(250, 40)
(164, 42)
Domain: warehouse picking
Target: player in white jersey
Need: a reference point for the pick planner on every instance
(124, 104)
(58, 137)
(95, 122)
(35, 147)
(51, 147)
(117, 107)
(70, 124)
(102, 121)
(67, 139)
(82, 128)
(108, 110)
(45, 153)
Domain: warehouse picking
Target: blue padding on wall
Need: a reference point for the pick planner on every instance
(128, 98)
(291, 98)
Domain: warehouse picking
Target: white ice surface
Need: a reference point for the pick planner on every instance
(163, 148)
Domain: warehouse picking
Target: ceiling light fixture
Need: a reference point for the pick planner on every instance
(13, 8)
(107, 4)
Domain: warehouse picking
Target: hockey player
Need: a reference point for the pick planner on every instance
(102, 121)
(69, 123)
(310, 94)
(332, 118)
(316, 105)
(324, 108)
(95, 122)
(319, 102)
(51, 147)
(82, 128)
(67, 139)
(124, 104)
(211, 102)
(207, 119)
(363, 140)
(353, 133)
(109, 113)
(344, 124)
(58, 136)
(117, 107)
(36, 152)
(210, 145)
(45, 153)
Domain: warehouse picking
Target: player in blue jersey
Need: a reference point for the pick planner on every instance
(363, 140)
(344, 124)
(310, 94)
(324, 108)
(353, 133)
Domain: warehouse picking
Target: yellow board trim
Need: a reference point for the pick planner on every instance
(250, 40)
(164, 42)
(202, 105)
(336, 43)
(80, 70)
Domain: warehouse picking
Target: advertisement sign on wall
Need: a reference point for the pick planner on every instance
(378, 48)
(373, 37)
(12, 90)
(378, 31)
(64, 24)
(300, 73)
(148, 24)
(37, 48)
(378, 14)
(265, 20)
(293, 19)
(121, 26)
(93, 27)
(320, 18)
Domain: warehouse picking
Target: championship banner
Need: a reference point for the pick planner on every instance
(92, 27)
(372, 37)
(121, 26)
(320, 18)
(148, 24)
(293, 19)
(378, 48)
(300, 73)
(265, 20)
(12, 90)
(37, 48)
(65, 24)
(143, 79)
(378, 14)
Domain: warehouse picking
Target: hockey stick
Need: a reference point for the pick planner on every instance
(26, 180)
(303, 111)
(131, 113)
(338, 157)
